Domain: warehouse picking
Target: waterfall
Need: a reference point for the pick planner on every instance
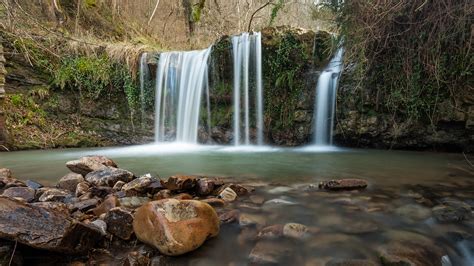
(144, 75)
(326, 100)
(181, 79)
(246, 47)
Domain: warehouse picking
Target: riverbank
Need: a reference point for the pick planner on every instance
(277, 219)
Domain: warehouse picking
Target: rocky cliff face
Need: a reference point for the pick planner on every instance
(2, 96)
(362, 121)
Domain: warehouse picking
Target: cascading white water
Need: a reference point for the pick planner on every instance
(326, 100)
(245, 47)
(144, 74)
(180, 80)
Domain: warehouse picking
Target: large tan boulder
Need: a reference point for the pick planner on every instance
(174, 226)
(88, 164)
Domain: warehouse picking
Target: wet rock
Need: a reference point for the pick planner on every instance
(406, 248)
(119, 223)
(33, 184)
(229, 217)
(240, 190)
(452, 211)
(413, 212)
(228, 194)
(108, 176)
(133, 202)
(270, 252)
(43, 226)
(101, 225)
(167, 225)
(183, 196)
(257, 199)
(5, 173)
(155, 186)
(55, 194)
(343, 184)
(81, 189)
(205, 186)
(295, 230)
(246, 219)
(108, 204)
(101, 191)
(271, 232)
(216, 203)
(163, 194)
(70, 181)
(84, 205)
(89, 164)
(25, 193)
(7, 180)
(350, 262)
(246, 236)
(140, 184)
(180, 182)
(119, 185)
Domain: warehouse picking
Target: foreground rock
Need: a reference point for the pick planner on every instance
(452, 211)
(45, 226)
(88, 164)
(24, 193)
(70, 181)
(175, 227)
(108, 176)
(119, 223)
(343, 184)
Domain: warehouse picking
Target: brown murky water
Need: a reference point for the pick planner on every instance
(395, 214)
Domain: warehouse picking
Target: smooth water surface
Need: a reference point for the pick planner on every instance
(397, 205)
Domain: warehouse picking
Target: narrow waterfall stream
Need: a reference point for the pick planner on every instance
(144, 75)
(180, 82)
(325, 103)
(246, 47)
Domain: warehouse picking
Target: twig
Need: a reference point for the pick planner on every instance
(467, 160)
(154, 11)
(4, 147)
(256, 11)
(13, 254)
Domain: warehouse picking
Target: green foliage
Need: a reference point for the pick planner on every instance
(96, 76)
(275, 9)
(197, 10)
(283, 67)
(91, 3)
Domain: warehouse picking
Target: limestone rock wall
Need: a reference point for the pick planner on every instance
(3, 73)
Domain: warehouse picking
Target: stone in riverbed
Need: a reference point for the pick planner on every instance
(133, 202)
(180, 182)
(119, 185)
(108, 204)
(55, 194)
(101, 225)
(70, 181)
(452, 211)
(33, 184)
(270, 252)
(271, 232)
(343, 184)
(89, 164)
(246, 219)
(119, 223)
(82, 188)
(108, 176)
(44, 226)
(168, 224)
(295, 230)
(84, 205)
(216, 203)
(139, 185)
(162, 194)
(205, 186)
(229, 217)
(25, 193)
(228, 194)
(7, 180)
